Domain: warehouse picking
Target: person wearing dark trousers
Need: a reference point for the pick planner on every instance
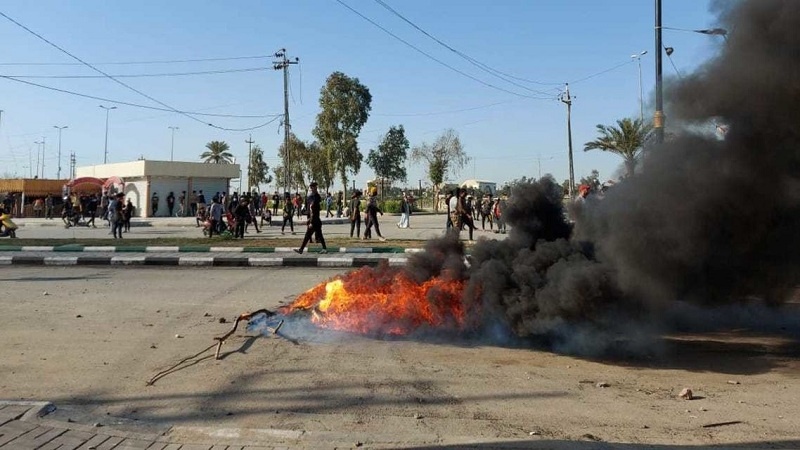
(128, 213)
(116, 216)
(242, 214)
(355, 214)
(314, 203)
(372, 216)
(91, 210)
(288, 214)
(154, 203)
(215, 214)
(170, 204)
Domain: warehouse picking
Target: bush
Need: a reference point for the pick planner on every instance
(390, 206)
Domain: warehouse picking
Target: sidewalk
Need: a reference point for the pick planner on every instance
(29, 426)
(26, 426)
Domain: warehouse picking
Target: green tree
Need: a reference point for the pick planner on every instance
(444, 156)
(257, 170)
(217, 153)
(345, 104)
(297, 161)
(388, 161)
(627, 140)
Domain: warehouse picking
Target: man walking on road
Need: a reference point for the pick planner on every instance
(314, 202)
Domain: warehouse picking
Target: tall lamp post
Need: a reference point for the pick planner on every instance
(59, 148)
(39, 152)
(638, 58)
(105, 147)
(172, 146)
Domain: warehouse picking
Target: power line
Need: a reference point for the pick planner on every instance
(427, 55)
(488, 69)
(174, 61)
(119, 102)
(484, 67)
(601, 72)
(142, 75)
(452, 111)
(121, 82)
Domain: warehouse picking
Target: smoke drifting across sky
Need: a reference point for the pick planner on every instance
(706, 222)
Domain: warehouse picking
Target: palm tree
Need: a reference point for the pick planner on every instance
(217, 153)
(626, 140)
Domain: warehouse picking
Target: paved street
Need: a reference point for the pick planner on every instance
(423, 227)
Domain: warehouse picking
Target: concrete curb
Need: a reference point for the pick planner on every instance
(72, 248)
(200, 261)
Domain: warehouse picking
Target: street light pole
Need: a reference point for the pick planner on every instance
(105, 148)
(658, 117)
(638, 58)
(38, 152)
(172, 147)
(59, 148)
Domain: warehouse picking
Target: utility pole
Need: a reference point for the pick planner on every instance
(283, 63)
(565, 97)
(72, 166)
(172, 146)
(39, 151)
(658, 117)
(59, 149)
(105, 148)
(250, 142)
(638, 58)
(539, 160)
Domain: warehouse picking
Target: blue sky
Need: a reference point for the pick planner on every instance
(506, 135)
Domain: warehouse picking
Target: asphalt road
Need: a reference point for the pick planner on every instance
(423, 227)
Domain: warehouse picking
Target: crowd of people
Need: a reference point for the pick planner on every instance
(465, 210)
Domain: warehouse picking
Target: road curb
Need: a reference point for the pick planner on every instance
(200, 261)
(192, 249)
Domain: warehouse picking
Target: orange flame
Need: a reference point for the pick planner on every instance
(383, 301)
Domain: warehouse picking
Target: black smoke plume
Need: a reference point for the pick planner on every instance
(707, 222)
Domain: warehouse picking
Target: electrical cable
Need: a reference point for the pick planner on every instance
(429, 56)
(143, 75)
(486, 68)
(438, 113)
(135, 105)
(123, 83)
(136, 62)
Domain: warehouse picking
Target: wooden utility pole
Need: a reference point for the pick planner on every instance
(565, 97)
(283, 63)
(249, 142)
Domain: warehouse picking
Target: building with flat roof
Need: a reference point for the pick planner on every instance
(144, 179)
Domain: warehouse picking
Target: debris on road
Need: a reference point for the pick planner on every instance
(722, 424)
(602, 384)
(686, 394)
(245, 316)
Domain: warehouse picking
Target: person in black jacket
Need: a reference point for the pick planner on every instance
(314, 202)
(242, 214)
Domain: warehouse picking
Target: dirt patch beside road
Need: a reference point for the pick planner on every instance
(92, 341)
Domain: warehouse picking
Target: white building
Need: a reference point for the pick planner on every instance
(144, 178)
(480, 185)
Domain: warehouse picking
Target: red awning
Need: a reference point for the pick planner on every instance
(86, 184)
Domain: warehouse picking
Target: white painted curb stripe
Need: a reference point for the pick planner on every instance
(261, 261)
(37, 249)
(396, 262)
(60, 260)
(283, 249)
(196, 261)
(5, 260)
(414, 250)
(161, 249)
(226, 249)
(100, 249)
(334, 262)
(127, 260)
